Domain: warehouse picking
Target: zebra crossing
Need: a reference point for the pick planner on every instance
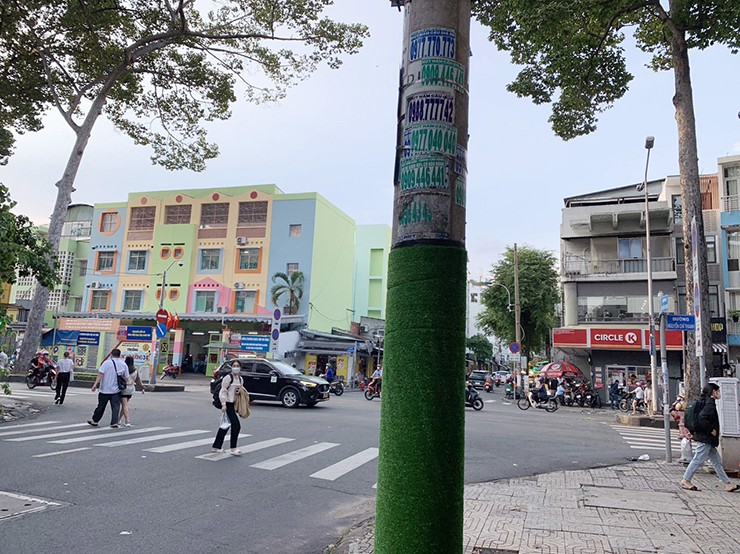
(46, 393)
(79, 437)
(647, 438)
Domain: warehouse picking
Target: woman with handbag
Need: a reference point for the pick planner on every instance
(133, 383)
(230, 386)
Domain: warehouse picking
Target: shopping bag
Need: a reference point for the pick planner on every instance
(225, 423)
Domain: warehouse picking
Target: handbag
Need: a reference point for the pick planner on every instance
(122, 383)
(225, 423)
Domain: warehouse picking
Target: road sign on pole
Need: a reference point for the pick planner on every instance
(680, 323)
(161, 330)
(514, 347)
(275, 333)
(162, 316)
(664, 303)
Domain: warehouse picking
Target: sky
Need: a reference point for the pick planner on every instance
(335, 135)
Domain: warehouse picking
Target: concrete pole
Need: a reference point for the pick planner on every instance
(518, 321)
(649, 141)
(666, 402)
(155, 356)
(422, 424)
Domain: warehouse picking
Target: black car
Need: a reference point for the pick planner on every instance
(272, 380)
(478, 378)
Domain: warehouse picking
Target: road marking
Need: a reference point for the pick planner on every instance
(57, 453)
(290, 457)
(24, 425)
(118, 434)
(489, 401)
(661, 448)
(375, 486)
(152, 438)
(51, 435)
(183, 445)
(254, 447)
(333, 472)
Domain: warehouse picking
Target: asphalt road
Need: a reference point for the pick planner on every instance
(126, 497)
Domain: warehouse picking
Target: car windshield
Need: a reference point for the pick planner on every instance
(478, 374)
(286, 369)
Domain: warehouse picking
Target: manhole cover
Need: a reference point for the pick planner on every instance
(621, 499)
(15, 505)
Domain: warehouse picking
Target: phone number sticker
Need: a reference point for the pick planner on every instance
(429, 138)
(430, 107)
(432, 43)
(424, 173)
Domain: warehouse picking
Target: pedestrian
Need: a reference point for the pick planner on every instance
(639, 400)
(133, 383)
(706, 433)
(107, 378)
(3, 359)
(560, 394)
(677, 410)
(649, 399)
(614, 394)
(64, 376)
(230, 386)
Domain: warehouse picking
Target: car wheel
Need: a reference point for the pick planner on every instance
(290, 398)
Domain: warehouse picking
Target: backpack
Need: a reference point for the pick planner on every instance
(693, 409)
(216, 390)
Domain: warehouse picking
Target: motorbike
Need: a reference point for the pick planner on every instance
(549, 405)
(488, 387)
(36, 377)
(472, 398)
(592, 399)
(372, 391)
(336, 387)
(170, 371)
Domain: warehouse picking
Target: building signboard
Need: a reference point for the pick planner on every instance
(570, 337)
(109, 325)
(622, 339)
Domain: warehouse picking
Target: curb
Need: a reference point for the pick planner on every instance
(87, 384)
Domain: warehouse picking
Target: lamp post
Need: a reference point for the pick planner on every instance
(649, 142)
(155, 357)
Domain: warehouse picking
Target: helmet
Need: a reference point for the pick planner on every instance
(44, 352)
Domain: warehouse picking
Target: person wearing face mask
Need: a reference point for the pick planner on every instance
(230, 386)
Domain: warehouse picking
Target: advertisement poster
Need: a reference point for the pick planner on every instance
(141, 352)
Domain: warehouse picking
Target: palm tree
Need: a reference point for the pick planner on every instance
(288, 284)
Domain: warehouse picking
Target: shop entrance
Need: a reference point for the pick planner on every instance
(628, 374)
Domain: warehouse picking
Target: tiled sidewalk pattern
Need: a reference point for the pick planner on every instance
(548, 514)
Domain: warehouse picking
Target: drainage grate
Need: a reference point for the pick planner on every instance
(15, 505)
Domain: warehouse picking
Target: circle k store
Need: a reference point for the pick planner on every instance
(605, 354)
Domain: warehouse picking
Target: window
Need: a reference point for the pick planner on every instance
(714, 300)
(680, 251)
(249, 259)
(210, 259)
(630, 249)
(205, 301)
(711, 249)
(174, 215)
(132, 300)
(295, 231)
(174, 294)
(214, 215)
(99, 300)
(165, 252)
(178, 252)
(733, 250)
(245, 301)
(290, 269)
(77, 304)
(252, 213)
(142, 219)
(83, 267)
(137, 260)
(109, 222)
(105, 261)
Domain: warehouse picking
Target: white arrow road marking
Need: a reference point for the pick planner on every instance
(333, 472)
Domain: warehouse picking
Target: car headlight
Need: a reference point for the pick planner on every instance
(308, 384)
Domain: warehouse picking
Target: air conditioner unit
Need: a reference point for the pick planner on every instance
(96, 285)
(241, 241)
(221, 310)
(364, 328)
(239, 285)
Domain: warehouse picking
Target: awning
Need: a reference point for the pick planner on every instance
(719, 348)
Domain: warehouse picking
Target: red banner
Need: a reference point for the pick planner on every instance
(622, 339)
(570, 337)
(673, 339)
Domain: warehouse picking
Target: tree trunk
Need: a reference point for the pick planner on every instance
(691, 199)
(65, 187)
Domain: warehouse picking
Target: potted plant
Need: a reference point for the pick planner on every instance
(735, 315)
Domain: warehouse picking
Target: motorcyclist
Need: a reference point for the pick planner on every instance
(41, 363)
(331, 375)
(542, 390)
(377, 379)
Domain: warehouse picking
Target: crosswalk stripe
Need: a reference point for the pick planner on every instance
(24, 425)
(58, 452)
(290, 457)
(118, 434)
(343, 467)
(53, 435)
(638, 447)
(183, 445)
(246, 449)
(375, 486)
(152, 438)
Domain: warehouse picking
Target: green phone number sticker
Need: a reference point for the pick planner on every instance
(424, 173)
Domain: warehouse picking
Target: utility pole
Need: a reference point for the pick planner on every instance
(664, 370)
(518, 322)
(422, 425)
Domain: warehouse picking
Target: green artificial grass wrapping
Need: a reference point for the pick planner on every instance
(422, 426)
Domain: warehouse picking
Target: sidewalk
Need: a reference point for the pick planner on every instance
(626, 509)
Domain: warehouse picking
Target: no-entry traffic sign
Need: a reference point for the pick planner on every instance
(162, 316)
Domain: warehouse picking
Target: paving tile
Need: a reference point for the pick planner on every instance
(585, 543)
(542, 542)
(623, 545)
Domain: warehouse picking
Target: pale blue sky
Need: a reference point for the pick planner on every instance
(335, 134)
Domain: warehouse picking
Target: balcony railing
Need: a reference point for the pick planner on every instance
(608, 318)
(731, 203)
(733, 327)
(573, 267)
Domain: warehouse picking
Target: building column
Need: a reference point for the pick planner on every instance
(178, 347)
(570, 304)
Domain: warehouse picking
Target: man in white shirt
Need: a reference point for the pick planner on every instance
(107, 378)
(64, 374)
(639, 398)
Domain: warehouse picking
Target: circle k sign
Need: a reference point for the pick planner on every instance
(616, 338)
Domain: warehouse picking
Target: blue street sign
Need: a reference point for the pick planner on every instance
(514, 347)
(89, 337)
(664, 304)
(161, 330)
(256, 343)
(680, 323)
(140, 334)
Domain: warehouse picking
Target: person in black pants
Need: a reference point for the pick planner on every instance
(109, 391)
(63, 376)
(229, 385)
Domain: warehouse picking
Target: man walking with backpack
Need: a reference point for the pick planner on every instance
(702, 420)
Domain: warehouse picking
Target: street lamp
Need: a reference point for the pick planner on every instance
(649, 142)
(155, 357)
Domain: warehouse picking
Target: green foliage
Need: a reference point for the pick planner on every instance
(481, 347)
(22, 249)
(292, 285)
(572, 50)
(157, 68)
(538, 295)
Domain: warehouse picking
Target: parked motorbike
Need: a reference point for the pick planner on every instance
(171, 371)
(37, 377)
(592, 399)
(372, 391)
(336, 387)
(525, 401)
(472, 398)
